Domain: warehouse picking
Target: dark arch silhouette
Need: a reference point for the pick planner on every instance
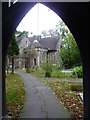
(75, 15)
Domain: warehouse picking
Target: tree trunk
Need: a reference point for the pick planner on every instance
(12, 64)
(27, 68)
(27, 65)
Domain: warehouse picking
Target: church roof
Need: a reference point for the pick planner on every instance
(31, 39)
(38, 42)
(47, 42)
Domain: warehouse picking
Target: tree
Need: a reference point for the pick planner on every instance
(13, 50)
(21, 34)
(44, 33)
(51, 32)
(6, 64)
(62, 29)
(69, 52)
(28, 55)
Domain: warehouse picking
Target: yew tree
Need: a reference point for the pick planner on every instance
(13, 50)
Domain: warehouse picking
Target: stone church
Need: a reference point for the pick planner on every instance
(46, 48)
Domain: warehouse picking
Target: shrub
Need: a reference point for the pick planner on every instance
(78, 71)
(55, 73)
(47, 66)
(77, 87)
(56, 70)
(47, 74)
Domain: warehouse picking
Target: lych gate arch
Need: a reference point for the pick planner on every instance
(75, 15)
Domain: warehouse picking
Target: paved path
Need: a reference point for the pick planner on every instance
(40, 102)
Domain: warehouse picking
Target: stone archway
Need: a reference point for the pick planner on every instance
(73, 14)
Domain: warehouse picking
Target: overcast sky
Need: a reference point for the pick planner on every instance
(39, 18)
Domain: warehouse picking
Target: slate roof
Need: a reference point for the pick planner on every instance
(31, 39)
(36, 45)
(49, 42)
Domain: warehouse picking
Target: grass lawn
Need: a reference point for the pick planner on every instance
(40, 73)
(15, 93)
(68, 96)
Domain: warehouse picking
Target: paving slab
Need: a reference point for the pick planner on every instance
(40, 102)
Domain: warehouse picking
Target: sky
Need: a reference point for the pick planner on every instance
(39, 18)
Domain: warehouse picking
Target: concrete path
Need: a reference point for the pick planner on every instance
(40, 102)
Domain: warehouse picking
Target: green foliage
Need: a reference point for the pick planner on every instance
(21, 34)
(37, 74)
(70, 52)
(55, 73)
(62, 29)
(61, 64)
(78, 71)
(13, 48)
(61, 74)
(56, 70)
(47, 66)
(28, 54)
(41, 70)
(77, 87)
